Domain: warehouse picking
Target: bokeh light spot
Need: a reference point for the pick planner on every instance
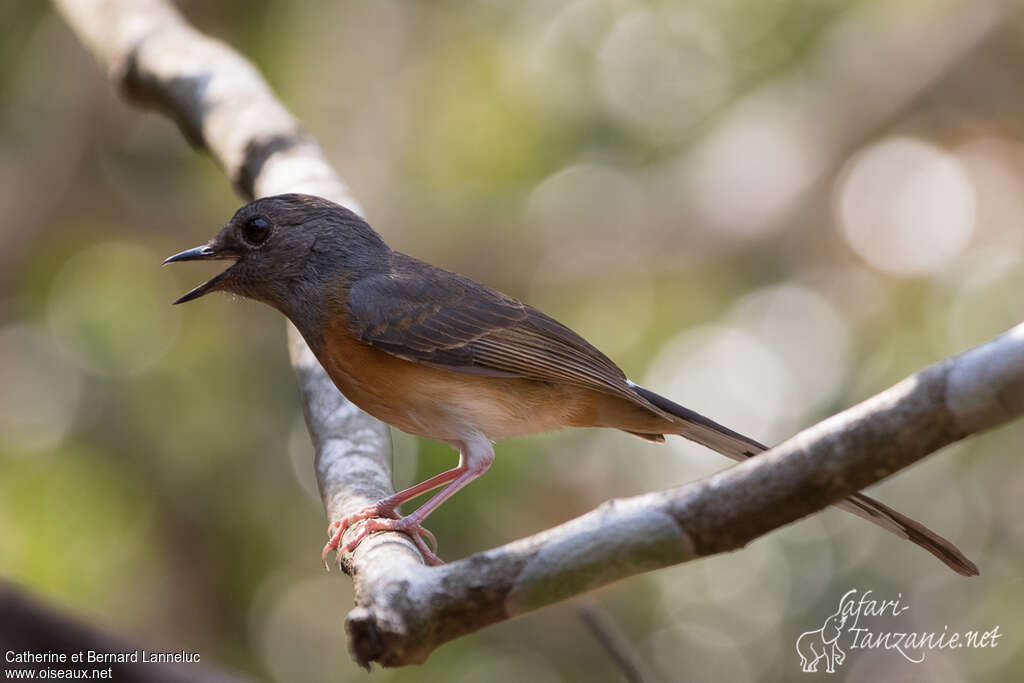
(728, 375)
(298, 637)
(906, 207)
(39, 392)
(705, 653)
(748, 175)
(986, 300)
(662, 72)
(586, 202)
(806, 331)
(109, 309)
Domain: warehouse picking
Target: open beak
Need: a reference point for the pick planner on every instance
(203, 253)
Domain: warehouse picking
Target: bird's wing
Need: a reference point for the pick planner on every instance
(427, 315)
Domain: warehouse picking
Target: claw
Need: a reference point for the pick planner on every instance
(337, 529)
(363, 533)
(392, 522)
(428, 554)
(433, 539)
(335, 538)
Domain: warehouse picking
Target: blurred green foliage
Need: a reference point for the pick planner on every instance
(680, 182)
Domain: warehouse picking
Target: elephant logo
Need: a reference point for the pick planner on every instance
(822, 643)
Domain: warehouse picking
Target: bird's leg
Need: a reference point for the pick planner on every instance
(476, 456)
(413, 524)
(386, 507)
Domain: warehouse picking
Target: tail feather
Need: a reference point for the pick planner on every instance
(732, 444)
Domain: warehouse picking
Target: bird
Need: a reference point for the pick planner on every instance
(443, 357)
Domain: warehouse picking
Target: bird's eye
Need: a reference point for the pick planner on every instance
(256, 231)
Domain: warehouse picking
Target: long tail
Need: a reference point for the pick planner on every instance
(738, 447)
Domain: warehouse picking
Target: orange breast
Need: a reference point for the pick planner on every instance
(446, 405)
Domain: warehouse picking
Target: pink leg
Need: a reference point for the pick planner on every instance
(412, 524)
(386, 507)
(477, 456)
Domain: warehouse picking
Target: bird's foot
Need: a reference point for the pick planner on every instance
(337, 529)
(407, 525)
(393, 522)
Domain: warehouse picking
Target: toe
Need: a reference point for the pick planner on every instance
(381, 518)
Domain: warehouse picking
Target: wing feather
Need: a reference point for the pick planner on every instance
(424, 314)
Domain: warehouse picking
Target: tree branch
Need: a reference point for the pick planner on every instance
(405, 610)
(402, 617)
(221, 103)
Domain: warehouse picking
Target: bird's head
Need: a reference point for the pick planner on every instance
(288, 250)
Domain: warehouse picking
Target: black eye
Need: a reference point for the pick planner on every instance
(256, 231)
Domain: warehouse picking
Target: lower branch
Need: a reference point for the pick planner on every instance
(221, 102)
(408, 611)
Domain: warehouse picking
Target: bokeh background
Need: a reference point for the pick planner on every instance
(765, 209)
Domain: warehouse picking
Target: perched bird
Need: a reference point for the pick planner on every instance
(440, 356)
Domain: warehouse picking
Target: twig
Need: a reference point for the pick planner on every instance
(614, 641)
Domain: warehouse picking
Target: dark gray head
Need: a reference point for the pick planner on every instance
(290, 250)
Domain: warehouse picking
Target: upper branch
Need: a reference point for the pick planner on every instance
(221, 102)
